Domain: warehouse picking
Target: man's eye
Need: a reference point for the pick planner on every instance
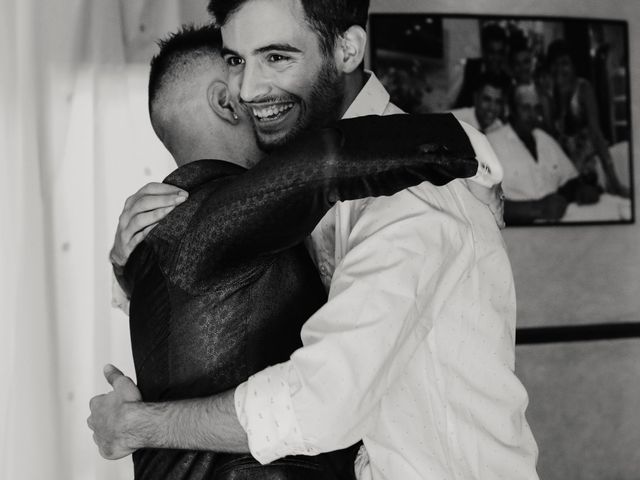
(274, 57)
(234, 61)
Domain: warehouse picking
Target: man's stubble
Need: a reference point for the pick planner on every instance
(324, 106)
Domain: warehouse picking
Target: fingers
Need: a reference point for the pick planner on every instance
(136, 231)
(152, 202)
(112, 374)
(139, 237)
(94, 400)
(104, 450)
(141, 212)
(145, 211)
(145, 219)
(153, 188)
(150, 197)
(123, 385)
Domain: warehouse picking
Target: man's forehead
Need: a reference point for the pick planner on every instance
(260, 23)
(526, 96)
(491, 91)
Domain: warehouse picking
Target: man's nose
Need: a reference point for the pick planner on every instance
(254, 84)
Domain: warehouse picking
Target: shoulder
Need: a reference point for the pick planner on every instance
(542, 135)
(502, 134)
(410, 212)
(544, 138)
(465, 114)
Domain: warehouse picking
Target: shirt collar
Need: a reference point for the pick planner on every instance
(373, 99)
(195, 174)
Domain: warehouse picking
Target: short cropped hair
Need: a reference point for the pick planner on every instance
(328, 18)
(178, 52)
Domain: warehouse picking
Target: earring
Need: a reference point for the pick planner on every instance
(235, 116)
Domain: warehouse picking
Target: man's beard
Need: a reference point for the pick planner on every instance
(323, 106)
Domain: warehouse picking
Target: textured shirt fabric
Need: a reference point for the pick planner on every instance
(221, 287)
(468, 115)
(192, 338)
(527, 178)
(414, 351)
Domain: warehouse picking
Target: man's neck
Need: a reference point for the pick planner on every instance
(353, 84)
(528, 139)
(231, 150)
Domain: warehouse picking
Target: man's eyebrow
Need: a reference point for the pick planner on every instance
(282, 47)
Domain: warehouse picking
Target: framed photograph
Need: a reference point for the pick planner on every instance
(551, 94)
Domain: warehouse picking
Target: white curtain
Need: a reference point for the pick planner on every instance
(75, 141)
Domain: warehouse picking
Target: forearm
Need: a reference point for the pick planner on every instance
(325, 397)
(197, 424)
(278, 203)
(570, 189)
(522, 212)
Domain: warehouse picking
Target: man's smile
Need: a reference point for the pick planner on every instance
(270, 112)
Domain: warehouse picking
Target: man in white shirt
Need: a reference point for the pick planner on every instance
(488, 105)
(414, 351)
(539, 179)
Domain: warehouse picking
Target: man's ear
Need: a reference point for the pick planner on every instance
(219, 99)
(350, 49)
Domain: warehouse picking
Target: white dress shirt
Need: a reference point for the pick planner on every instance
(468, 115)
(526, 178)
(414, 351)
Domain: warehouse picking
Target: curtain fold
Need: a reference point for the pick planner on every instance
(75, 141)
(29, 395)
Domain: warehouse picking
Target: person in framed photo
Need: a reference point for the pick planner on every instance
(493, 61)
(539, 179)
(577, 120)
(488, 104)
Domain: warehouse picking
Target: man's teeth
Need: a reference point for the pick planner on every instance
(271, 111)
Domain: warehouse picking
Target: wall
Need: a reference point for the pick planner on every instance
(583, 396)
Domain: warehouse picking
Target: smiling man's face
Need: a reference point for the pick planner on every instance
(278, 70)
(488, 104)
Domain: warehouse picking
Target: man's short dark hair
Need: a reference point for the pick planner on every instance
(492, 33)
(329, 18)
(492, 80)
(518, 42)
(558, 49)
(177, 53)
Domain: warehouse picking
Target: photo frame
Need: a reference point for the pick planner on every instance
(551, 94)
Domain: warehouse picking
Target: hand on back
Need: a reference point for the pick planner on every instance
(142, 212)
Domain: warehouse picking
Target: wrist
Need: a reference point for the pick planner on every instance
(137, 421)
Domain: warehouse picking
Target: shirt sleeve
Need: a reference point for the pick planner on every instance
(565, 169)
(490, 171)
(119, 298)
(403, 257)
(276, 204)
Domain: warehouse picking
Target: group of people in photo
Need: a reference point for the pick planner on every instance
(548, 124)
